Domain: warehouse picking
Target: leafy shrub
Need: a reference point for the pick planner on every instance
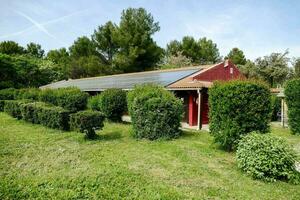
(292, 96)
(45, 114)
(87, 122)
(237, 108)
(93, 102)
(113, 104)
(2, 105)
(28, 93)
(266, 157)
(13, 108)
(276, 106)
(71, 99)
(155, 112)
(52, 116)
(7, 94)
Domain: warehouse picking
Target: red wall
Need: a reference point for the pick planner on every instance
(193, 109)
(220, 72)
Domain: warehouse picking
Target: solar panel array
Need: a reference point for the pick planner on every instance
(126, 81)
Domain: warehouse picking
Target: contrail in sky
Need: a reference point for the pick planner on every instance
(39, 26)
(36, 24)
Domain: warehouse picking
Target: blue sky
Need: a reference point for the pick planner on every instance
(257, 27)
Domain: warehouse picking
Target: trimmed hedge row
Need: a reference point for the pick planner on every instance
(87, 122)
(155, 112)
(54, 116)
(38, 113)
(71, 99)
(2, 105)
(7, 94)
(13, 107)
(267, 157)
(238, 108)
(292, 96)
(45, 114)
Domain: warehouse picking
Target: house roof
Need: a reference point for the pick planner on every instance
(129, 80)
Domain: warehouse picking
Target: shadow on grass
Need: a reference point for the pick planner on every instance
(114, 135)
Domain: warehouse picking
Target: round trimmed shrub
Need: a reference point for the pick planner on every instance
(112, 103)
(87, 122)
(292, 96)
(155, 112)
(266, 157)
(237, 108)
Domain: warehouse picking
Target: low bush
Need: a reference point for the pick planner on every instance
(276, 107)
(13, 108)
(87, 122)
(93, 102)
(2, 105)
(113, 104)
(267, 157)
(53, 117)
(71, 99)
(155, 112)
(292, 96)
(7, 94)
(238, 108)
(45, 114)
(28, 93)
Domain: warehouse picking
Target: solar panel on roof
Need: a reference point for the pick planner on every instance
(126, 81)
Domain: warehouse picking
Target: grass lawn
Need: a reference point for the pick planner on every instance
(38, 162)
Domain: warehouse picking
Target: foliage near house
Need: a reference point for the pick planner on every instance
(7, 94)
(267, 157)
(236, 109)
(87, 122)
(45, 114)
(71, 99)
(155, 112)
(292, 96)
(93, 102)
(113, 104)
(13, 108)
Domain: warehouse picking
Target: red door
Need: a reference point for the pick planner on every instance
(205, 109)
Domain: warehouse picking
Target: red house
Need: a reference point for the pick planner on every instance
(190, 84)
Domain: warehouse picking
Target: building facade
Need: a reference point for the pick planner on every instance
(190, 84)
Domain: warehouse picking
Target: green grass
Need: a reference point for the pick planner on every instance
(41, 163)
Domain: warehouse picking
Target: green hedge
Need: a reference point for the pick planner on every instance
(237, 108)
(292, 96)
(267, 157)
(45, 114)
(93, 102)
(113, 104)
(155, 112)
(7, 94)
(87, 122)
(28, 93)
(2, 105)
(276, 107)
(13, 108)
(71, 99)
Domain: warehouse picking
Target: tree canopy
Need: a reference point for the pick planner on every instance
(11, 47)
(202, 51)
(237, 56)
